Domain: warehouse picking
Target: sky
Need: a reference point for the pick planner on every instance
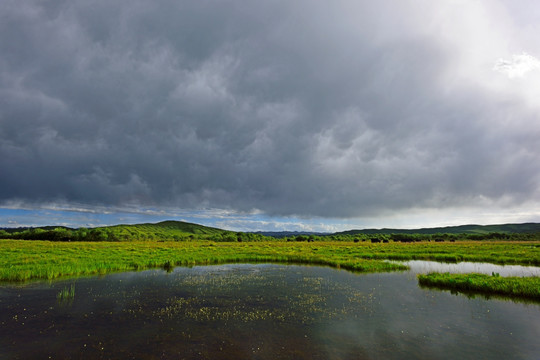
(301, 115)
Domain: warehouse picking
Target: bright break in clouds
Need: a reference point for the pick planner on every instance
(518, 66)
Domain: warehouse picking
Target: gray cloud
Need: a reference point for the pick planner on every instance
(301, 108)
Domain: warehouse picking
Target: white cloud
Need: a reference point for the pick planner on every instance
(518, 66)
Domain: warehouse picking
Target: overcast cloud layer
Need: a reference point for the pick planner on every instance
(340, 109)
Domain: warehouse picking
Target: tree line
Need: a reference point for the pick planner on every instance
(135, 234)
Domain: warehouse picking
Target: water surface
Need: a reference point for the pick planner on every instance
(425, 267)
(260, 312)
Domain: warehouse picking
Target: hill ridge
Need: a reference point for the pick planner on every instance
(458, 229)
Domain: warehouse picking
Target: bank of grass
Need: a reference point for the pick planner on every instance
(26, 260)
(495, 252)
(22, 260)
(515, 287)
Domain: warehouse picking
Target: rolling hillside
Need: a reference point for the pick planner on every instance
(166, 230)
(462, 229)
(184, 231)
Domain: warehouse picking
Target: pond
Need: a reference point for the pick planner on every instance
(424, 267)
(262, 311)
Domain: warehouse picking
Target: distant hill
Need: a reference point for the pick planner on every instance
(283, 234)
(170, 226)
(166, 230)
(462, 229)
(11, 230)
(184, 231)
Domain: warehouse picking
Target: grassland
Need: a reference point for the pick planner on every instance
(22, 260)
(26, 260)
(526, 287)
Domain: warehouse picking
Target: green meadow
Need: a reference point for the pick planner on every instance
(26, 260)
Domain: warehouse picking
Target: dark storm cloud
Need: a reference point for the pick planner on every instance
(287, 107)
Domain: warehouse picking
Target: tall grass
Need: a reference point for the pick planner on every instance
(24, 260)
(66, 294)
(522, 287)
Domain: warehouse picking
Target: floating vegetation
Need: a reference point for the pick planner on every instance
(219, 296)
(66, 295)
(199, 309)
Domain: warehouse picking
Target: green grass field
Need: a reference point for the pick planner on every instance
(26, 260)
(22, 260)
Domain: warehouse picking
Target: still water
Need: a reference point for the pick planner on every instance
(260, 311)
(424, 267)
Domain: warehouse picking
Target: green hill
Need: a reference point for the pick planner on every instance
(184, 231)
(462, 229)
(166, 230)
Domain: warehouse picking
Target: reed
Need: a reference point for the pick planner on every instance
(521, 287)
(66, 294)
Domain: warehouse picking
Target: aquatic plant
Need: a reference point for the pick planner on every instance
(66, 294)
(523, 287)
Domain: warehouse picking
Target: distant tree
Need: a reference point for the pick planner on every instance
(81, 234)
(61, 234)
(97, 235)
(229, 237)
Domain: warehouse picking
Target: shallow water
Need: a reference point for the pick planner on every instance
(260, 312)
(424, 267)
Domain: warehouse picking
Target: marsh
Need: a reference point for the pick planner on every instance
(260, 311)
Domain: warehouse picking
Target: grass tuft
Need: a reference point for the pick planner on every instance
(66, 294)
(520, 287)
